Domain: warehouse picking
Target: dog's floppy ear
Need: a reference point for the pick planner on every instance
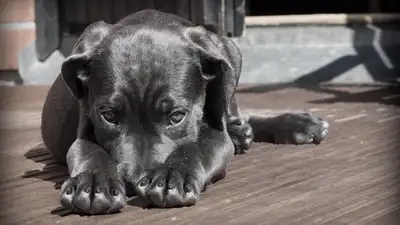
(218, 70)
(73, 70)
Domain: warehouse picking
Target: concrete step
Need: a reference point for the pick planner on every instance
(279, 54)
(320, 53)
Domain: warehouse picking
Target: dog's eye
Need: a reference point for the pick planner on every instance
(177, 117)
(109, 115)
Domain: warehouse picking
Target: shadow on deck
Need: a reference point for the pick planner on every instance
(351, 178)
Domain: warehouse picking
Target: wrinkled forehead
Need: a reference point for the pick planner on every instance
(146, 62)
(148, 48)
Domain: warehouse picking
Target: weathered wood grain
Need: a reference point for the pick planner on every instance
(351, 178)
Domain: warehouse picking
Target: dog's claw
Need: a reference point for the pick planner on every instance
(169, 187)
(92, 194)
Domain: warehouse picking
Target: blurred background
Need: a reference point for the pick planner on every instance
(285, 41)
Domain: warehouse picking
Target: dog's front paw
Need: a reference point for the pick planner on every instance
(241, 134)
(93, 193)
(169, 187)
(299, 128)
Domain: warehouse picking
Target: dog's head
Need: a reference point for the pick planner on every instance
(148, 90)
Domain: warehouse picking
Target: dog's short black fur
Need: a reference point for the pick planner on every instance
(149, 103)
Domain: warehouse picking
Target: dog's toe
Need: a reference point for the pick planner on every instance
(325, 124)
(168, 187)
(303, 128)
(92, 194)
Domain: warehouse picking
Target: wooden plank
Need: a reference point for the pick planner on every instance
(93, 15)
(47, 27)
(165, 6)
(183, 8)
(197, 11)
(137, 5)
(240, 13)
(80, 8)
(229, 20)
(68, 11)
(351, 178)
(120, 10)
(105, 10)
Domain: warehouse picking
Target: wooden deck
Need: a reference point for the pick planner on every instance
(351, 178)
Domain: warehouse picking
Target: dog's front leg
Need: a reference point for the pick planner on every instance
(187, 171)
(94, 186)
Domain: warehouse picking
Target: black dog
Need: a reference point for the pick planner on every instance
(149, 103)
